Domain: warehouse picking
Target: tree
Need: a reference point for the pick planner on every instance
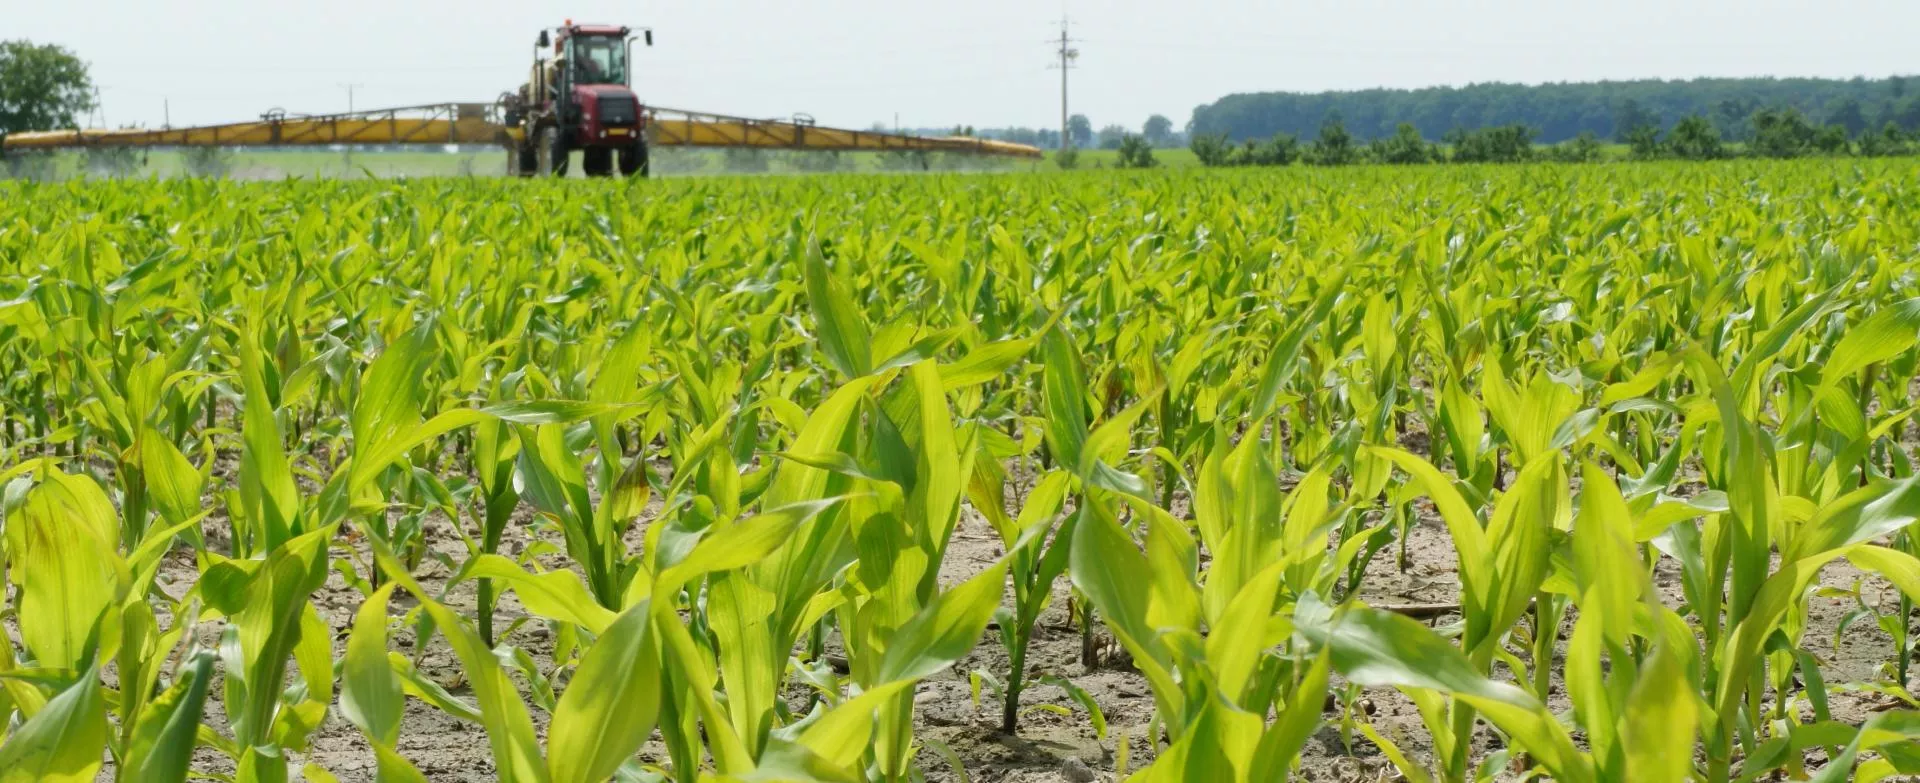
(1281, 150)
(1584, 148)
(1404, 147)
(1079, 131)
(1831, 140)
(1781, 134)
(1695, 138)
(1503, 144)
(1889, 141)
(1111, 136)
(1847, 114)
(1211, 149)
(1629, 117)
(1733, 117)
(1136, 153)
(1334, 146)
(42, 87)
(1560, 111)
(1644, 142)
(1158, 130)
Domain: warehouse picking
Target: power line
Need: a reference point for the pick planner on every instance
(1068, 55)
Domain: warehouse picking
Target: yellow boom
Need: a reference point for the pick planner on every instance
(475, 123)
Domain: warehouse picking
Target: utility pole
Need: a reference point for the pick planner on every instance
(1067, 55)
(350, 94)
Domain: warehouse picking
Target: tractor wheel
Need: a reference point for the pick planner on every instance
(597, 161)
(633, 160)
(521, 160)
(550, 153)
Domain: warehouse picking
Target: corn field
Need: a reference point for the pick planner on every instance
(1571, 473)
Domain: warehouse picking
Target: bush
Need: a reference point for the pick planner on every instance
(1584, 148)
(1212, 149)
(1889, 141)
(1404, 147)
(1831, 140)
(1695, 138)
(1499, 144)
(1643, 142)
(1781, 133)
(1136, 153)
(1281, 150)
(1334, 146)
(1067, 158)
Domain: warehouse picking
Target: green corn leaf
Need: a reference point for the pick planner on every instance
(609, 706)
(165, 739)
(843, 332)
(61, 547)
(370, 696)
(63, 742)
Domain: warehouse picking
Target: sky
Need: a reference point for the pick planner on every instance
(853, 63)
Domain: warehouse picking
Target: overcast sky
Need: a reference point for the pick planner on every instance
(979, 62)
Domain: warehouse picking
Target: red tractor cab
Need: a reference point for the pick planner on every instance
(577, 97)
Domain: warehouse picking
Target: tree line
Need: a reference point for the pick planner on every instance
(1562, 111)
(1776, 132)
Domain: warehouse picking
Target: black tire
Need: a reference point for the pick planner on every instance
(597, 161)
(550, 153)
(633, 161)
(528, 160)
(521, 161)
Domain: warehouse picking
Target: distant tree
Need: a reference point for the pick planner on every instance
(1211, 149)
(1111, 136)
(1560, 111)
(1831, 140)
(1733, 117)
(1630, 116)
(1695, 138)
(1502, 144)
(42, 87)
(1281, 150)
(1643, 143)
(1158, 130)
(1334, 146)
(1404, 147)
(1080, 131)
(1584, 148)
(1136, 153)
(1905, 113)
(1847, 114)
(1886, 142)
(1779, 133)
